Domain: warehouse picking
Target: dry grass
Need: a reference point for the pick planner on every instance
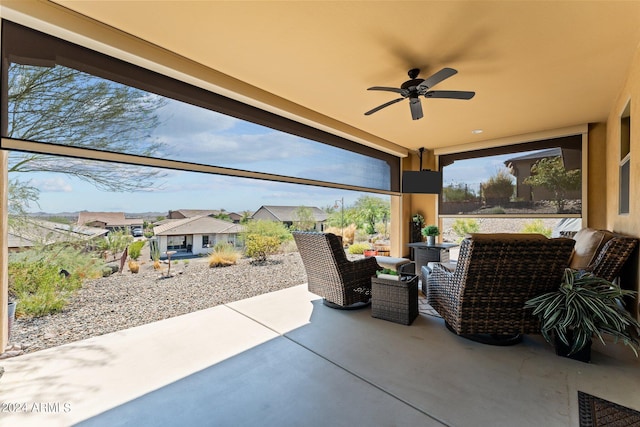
(223, 256)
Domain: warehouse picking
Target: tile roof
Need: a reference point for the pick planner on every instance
(202, 224)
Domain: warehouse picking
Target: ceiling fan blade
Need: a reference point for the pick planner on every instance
(402, 92)
(380, 107)
(430, 82)
(416, 108)
(450, 94)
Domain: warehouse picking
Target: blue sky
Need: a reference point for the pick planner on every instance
(193, 134)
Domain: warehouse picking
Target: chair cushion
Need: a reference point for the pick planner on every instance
(507, 236)
(392, 263)
(588, 243)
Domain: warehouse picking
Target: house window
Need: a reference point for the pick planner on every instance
(177, 243)
(205, 241)
(173, 121)
(625, 159)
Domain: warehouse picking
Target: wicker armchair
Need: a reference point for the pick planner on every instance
(342, 283)
(612, 257)
(483, 298)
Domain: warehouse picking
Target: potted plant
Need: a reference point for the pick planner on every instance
(416, 224)
(430, 232)
(584, 306)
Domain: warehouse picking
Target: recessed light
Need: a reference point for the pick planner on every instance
(477, 131)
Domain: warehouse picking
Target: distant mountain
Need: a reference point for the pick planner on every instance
(73, 216)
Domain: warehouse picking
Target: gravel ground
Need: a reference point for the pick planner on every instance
(125, 300)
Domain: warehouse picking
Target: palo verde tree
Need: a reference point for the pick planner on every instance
(303, 219)
(372, 210)
(70, 107)
(550, 173)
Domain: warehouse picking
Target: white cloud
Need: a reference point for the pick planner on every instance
(55, 184)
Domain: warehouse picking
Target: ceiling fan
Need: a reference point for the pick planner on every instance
(416, 87)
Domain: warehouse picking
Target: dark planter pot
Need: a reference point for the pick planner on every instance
(583, 355)
(12, 316)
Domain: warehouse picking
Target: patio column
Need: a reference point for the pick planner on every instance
(4, 250)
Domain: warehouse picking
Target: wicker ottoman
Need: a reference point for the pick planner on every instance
(395, 300)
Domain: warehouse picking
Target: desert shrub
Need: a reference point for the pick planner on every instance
(288, 247)
(259, 247)
(498, 188)
(496, 210)
(348, 233)
(361, 235)
(115, 242)
(359, 248)
(464, 226)
(223, 255)
(43, 280)
(458, 193)
(536, 226)
(135, 249)
(268, 229)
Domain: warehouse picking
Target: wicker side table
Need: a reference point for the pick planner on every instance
(395, 300)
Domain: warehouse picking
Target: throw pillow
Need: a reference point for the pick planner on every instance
(588, 243)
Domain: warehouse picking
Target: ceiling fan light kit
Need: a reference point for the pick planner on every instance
(416, 87)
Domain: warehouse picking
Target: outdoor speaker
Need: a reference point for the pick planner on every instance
(424, 182)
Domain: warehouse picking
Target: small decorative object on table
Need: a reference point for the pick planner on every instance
(431, 232)
(394, 298)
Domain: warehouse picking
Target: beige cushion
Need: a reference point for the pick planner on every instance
(507, 236)
(588, 243)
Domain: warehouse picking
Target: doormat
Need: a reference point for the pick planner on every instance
(597, 412)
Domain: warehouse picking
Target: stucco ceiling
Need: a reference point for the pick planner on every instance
(534, 65)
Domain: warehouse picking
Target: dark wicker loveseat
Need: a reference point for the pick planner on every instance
(602, 252)
(342, 283)
(484, 296)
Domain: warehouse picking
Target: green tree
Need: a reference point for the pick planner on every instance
(371, 210)
(70, 107)
(303, 219)
(550, 173)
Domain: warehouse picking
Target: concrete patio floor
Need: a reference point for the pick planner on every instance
(284, 359)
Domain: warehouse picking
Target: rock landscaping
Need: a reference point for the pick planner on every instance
(124, 300)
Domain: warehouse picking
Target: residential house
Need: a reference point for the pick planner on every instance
(195, 235)
(289, 215)
(32, 232)
(188, 213)
(520, 167)
(109, 220)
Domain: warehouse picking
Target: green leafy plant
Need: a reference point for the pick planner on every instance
(536, 226)
(359, 248)
(387, 271)
(260, 247)
(464, 226)
(44, 279)
(430, 230)
(135, 248)
(585, 306)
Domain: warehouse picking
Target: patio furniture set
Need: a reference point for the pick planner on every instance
(481, 296)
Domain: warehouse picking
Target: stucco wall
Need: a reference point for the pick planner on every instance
(627, 223)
